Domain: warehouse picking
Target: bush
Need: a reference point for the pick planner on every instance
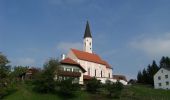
(93, 85)
(66, 87)
(6, 91)
(44, 80)
(44, 83)
(114, 88)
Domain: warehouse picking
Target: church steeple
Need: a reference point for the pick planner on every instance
(87, 31)
(87, 46)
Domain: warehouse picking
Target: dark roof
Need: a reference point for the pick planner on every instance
(119, 77)
(87, 31)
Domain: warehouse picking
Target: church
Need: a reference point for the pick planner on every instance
(87, 63)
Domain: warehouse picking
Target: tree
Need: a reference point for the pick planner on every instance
(4, 79)
(162, 62)
(151, 70)
(109, 87)
(93, 85)
(44, 82)
(4, 69)
(19, 72)
(165, 62)
(139, 77)
(67, 87)
(3, 59)
(114, 88)
(146, 76)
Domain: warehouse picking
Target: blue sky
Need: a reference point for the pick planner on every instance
(129, 34)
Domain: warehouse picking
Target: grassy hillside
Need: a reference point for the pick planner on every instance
(141, 92)
(138, 92)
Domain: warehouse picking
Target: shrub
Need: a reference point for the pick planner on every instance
(44, 81)
(6, 91)
(66, 87)
(93, 85)
(114, 88)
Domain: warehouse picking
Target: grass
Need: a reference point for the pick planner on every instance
(136, 92)
(141, 92)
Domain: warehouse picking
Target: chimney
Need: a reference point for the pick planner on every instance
(63, 56)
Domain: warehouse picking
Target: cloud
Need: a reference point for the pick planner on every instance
(153, 46)
(65, 46)
(25, 61)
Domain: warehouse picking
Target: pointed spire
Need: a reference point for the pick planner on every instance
(87, 31)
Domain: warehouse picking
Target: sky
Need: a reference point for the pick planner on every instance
(129, 34)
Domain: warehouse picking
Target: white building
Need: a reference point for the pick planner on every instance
(162, 79)
(71, 69)
(94, 65)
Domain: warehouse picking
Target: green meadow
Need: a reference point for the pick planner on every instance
(134, 92)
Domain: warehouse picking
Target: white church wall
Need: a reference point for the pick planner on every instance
(94, 66)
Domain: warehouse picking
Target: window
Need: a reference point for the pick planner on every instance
(162, 71)
(95, 72)
(167, 83)
(89, 71)
(159, 77)
(166, 76)
(75, 70)
(109, 75)
(159, 84)
(101, 74)
(68, 69)
(90, 43)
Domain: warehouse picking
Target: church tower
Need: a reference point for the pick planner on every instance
(87, 43)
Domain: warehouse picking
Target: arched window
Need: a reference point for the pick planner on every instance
(101, 73)
(95, 72)
(89, 71)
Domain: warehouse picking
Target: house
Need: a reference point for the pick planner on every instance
(31, 72)
(162, 79)
(120, 78)
(71, 69)
(92, 63)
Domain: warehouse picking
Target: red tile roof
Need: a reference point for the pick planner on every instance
(89, 57)
(72, 62)
(69, 61)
